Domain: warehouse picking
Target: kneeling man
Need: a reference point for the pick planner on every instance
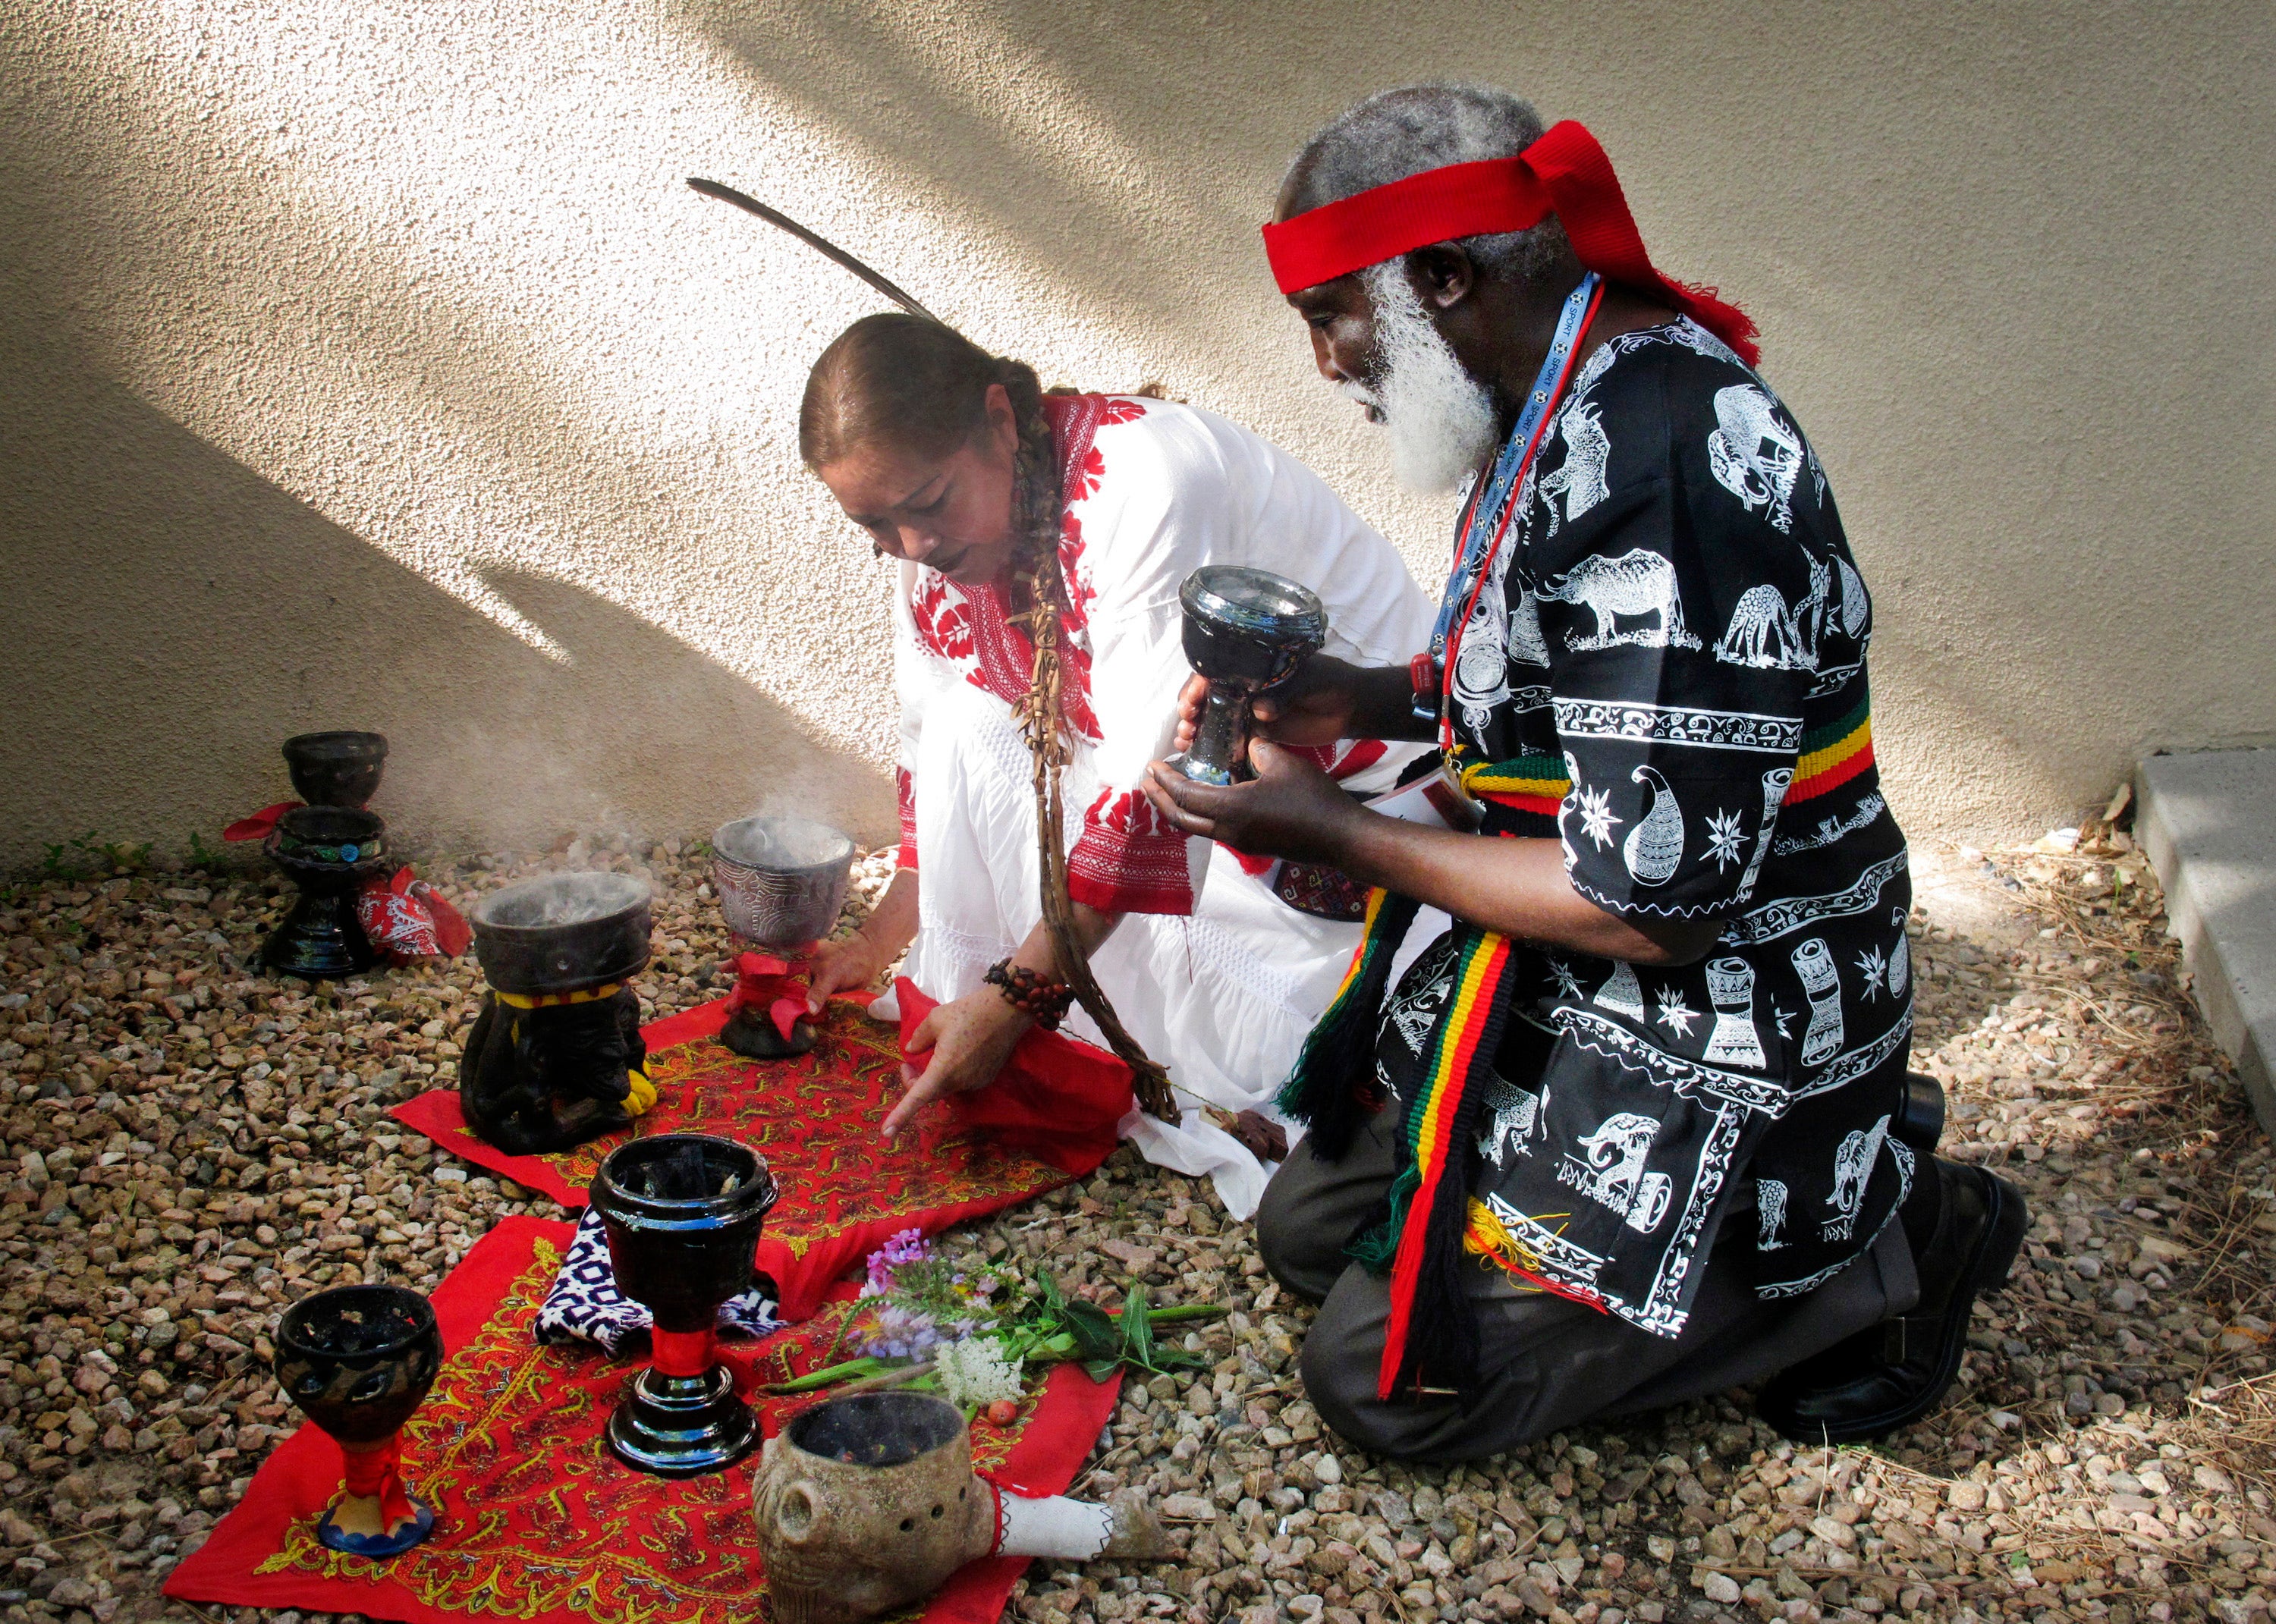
(1634, 1127)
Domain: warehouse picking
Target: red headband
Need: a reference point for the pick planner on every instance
(1565, 173)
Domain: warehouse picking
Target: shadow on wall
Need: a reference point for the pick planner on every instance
(101, 579)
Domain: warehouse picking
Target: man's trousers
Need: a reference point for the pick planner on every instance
(1548, 1362)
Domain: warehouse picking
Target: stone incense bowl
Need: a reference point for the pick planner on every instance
(337, 768)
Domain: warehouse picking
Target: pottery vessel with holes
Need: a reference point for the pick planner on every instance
(357, 1361)
(867, 1503)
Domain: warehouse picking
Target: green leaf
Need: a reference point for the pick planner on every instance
(1137, 1329)
(1096, 1334)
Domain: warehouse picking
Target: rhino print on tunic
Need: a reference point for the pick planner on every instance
(1667, 506)
(1637, 584)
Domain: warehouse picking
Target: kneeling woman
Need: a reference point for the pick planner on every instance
(961, 470)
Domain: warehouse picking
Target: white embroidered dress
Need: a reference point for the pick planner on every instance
(1217, 978)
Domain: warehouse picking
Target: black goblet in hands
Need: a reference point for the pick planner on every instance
(357, 1361)
(683, 1214)
(1245, 630)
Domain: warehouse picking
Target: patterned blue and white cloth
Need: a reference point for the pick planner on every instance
(584, 1305)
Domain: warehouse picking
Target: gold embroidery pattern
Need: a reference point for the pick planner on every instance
(534, 1517)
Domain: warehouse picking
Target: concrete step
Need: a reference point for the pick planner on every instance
(2207, 820)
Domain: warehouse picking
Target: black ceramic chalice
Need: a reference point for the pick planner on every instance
(556, 1056)
(337, 769)
(357, 1360)
(781, 881)
(683, 1213)
(328, 853)
(1245, 630)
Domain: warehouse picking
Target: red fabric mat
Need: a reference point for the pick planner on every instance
(536, 1521)
(1049, 1118)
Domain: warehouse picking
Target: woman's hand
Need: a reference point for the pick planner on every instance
(968, 1041)
(1290, 809)
(1313, 707)
(855, 961)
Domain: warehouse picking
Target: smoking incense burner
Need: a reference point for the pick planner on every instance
(357, 1361)
(555, 1055)
(1245, 630)
(781, 881)
(683, 1213)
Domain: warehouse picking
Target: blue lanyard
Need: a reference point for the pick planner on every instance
(1486, 505)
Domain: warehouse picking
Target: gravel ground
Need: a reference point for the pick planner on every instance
(188, 1146)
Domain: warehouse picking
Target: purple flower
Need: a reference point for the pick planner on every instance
(898, 1332)
(907, 1247)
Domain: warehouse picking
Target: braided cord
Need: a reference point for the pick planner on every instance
(1042, 718)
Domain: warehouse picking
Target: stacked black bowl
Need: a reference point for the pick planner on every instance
(328, 848)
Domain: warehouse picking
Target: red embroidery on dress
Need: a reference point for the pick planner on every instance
(904, 788)
(943, 616)
(1129, 858)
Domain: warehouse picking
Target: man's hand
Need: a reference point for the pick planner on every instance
(1290, 809)
(968, 1041)
(1316, 706)
(853, 962)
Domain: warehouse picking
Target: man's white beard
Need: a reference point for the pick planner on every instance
(1441, 420)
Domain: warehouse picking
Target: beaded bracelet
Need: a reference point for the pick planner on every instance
(1045, 1002)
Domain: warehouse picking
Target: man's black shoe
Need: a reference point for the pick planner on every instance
(1893, 1374)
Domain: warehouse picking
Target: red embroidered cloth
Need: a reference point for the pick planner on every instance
(536, 1521)
(1051, 1118)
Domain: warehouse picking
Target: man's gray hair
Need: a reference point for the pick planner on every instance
(1395, 133)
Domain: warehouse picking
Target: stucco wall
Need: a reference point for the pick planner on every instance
(367, 365)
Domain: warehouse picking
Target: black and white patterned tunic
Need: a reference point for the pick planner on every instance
(1666, 671)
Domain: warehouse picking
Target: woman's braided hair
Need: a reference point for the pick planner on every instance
(922, 386)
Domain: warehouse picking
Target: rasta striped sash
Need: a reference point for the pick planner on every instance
(1335, 1087)
(1834, 754)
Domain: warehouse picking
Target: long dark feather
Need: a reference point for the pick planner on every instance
(821, 245)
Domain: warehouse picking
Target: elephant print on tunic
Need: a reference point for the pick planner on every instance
(1640, 584)
(1654, 848)
(1615, 1173)
(1770, 1213)
(1853, 1164)
(1579, 479)
(1754, 456)
(1515, 1118)
(1767, 634)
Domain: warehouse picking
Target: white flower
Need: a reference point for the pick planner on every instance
(1723, 838)
(975, 1371)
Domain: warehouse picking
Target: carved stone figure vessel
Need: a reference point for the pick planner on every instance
(328, 853)
(556, 1056)
(1245, 630)
(781, 881)
(357, 1361)
(866, 1504)
(683, 1213)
